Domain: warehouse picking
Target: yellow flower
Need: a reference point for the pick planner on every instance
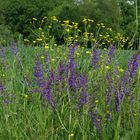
(39, 39)
(79, 30)
(109, 29)
(3, 75)
(26, 96)
(87, 52)
(96, 101)
(46, 46)
(26, 40)
(84, 20)
(71, 135)
(44, 17)
(102, 24)
(34, 19)
(107, 67)
(42, 57)
(101, 56)
(50, 26)
(54, 18)
(67, 30)
(53, 60)
(90, 20)
(100, 35)
(77, 53)
(121, 70)
(66, 22)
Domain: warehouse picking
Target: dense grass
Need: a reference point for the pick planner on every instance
(102, 104)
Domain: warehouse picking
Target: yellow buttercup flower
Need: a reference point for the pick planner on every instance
(67, 30)
(39, 39)
(107, 67)
(71, 135)
(96, 101)
(46, 46)
(44, 17)
(66, 22)
(54, 18)
(34, 19)
(88, 52)
(42, 57)
(26, 96)
(50, 26)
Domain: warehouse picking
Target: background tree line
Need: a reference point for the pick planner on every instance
(120, 15)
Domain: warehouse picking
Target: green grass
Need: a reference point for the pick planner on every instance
(30, 117)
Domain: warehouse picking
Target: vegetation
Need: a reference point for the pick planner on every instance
(119, 15)
(68, 70)
(69, 93)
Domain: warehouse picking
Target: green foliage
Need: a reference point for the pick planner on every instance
(5, 35)
(25, 115)
(120, 14)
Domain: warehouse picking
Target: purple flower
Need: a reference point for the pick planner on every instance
(61, 71)
(117, 102)
(126, 81)
(52, 77)
(38, 74)
(82, 86)
(133, 65)
(95, 58)
(84, 97)
(44, 85)
(110, 54)
(72, 66)
(95, 119)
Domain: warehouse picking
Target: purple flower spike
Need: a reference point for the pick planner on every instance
(110, 54)
(95, 58)
(38, 74)
(61, 71)
(72, 66)
(84, 97)
(133, 65)
(117, 103)
(95, 119)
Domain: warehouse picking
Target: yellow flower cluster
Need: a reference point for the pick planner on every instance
(71, 32)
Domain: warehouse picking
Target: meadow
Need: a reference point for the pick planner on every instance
(52, 91)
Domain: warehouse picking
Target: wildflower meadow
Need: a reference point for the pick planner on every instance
(69, 82)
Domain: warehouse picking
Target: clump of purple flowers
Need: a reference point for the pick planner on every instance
(133, 65)
(43, 84)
